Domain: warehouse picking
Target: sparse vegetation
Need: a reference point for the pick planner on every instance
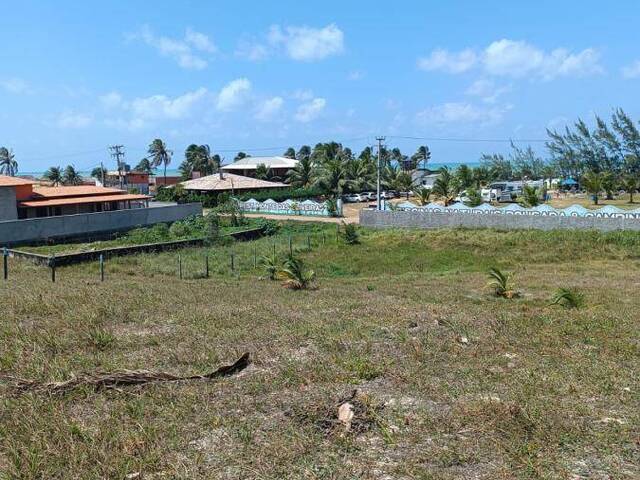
(537, 392)
(502, 284)
(295, 275)
(568, 298)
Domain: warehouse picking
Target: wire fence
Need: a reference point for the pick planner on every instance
(194, 262)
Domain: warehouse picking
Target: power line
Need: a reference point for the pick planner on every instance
(117, 151)
(473, 140)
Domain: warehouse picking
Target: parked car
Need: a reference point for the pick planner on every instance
(388, 195)
(370, 195)
(353, 198)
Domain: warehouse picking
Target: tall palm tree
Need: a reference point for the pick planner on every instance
(8, 164)
(144, 165)
(71, 176)
(332, 177)
(160, 155)
(594, 183)
(302, 175)
(630, 184)
(446, 186)
(54, 175)
(361, 173)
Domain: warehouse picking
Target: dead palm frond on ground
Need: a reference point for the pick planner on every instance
(107, 380)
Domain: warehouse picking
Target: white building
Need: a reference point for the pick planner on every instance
(247, 166)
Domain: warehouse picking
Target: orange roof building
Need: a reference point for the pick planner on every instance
(19, 199)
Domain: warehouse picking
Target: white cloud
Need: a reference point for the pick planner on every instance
(461, 113)
(14, 85)
(184, 51)
(70, 119)
(233, 94)
(200, 41)
(355, 75)
(307, 43)
(252, 51)
(269, 108)
(111, 100)
(515, 59)
(486, 90)
(302, 94)
(449, 62)
(311, 110)
(632, 70)
(161, 107)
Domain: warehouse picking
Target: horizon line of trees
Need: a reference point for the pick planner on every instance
(607, 155)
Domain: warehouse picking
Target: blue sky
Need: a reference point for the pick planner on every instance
(76, 77)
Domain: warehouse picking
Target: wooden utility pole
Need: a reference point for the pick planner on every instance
(117, 151)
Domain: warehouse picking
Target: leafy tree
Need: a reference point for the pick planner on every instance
(499, 168)
(362, 174)
(609, 184)
(630, 184)
(530, 197)
(332, 176)
(594, 184)
(98, 173)
(423, 194)
(422, 155)
(240, 156)
(160, 155)
(349, 234)
(473, 197)
(144, 165)
(8, 163)
(526, 164)
(481, 176)
(303, 174)
(446, 186)
(70, 176)
(464, 174)
(290, 153)
(405, 182)
(262, 171)
(54, 175)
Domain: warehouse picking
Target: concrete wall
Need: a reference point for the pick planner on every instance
(85, 224)
(390, 219)
(8, 209)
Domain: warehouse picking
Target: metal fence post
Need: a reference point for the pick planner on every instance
(101, 267)
(233, 267)
(52, 263)
(206, 266)
(255, 257)
(5, 262)
(180, 266)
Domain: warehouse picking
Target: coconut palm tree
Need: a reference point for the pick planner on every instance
(630, 184)
(593, 183)
(54, 175)
(160, 155)
(71, 176)
(144, 165)
(302, 175)
(362, 174)
(295, 275)
(446, 186)
(8, 164)
(332, 177)
(423, 194)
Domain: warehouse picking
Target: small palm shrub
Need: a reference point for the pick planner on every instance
(295, 275)
(474, 198)
(350, 234)
(271, 265)
(530, 197)
(501, 284)
(423, 194)
(568, 298)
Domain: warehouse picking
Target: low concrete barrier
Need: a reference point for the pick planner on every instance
(79, 257)
(420, 219)
(16, 232)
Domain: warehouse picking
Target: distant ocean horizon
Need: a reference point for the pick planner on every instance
(171, 172)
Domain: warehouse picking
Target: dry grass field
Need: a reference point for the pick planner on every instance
(452, 382)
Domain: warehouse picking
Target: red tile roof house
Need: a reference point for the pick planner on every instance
(22, 200)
